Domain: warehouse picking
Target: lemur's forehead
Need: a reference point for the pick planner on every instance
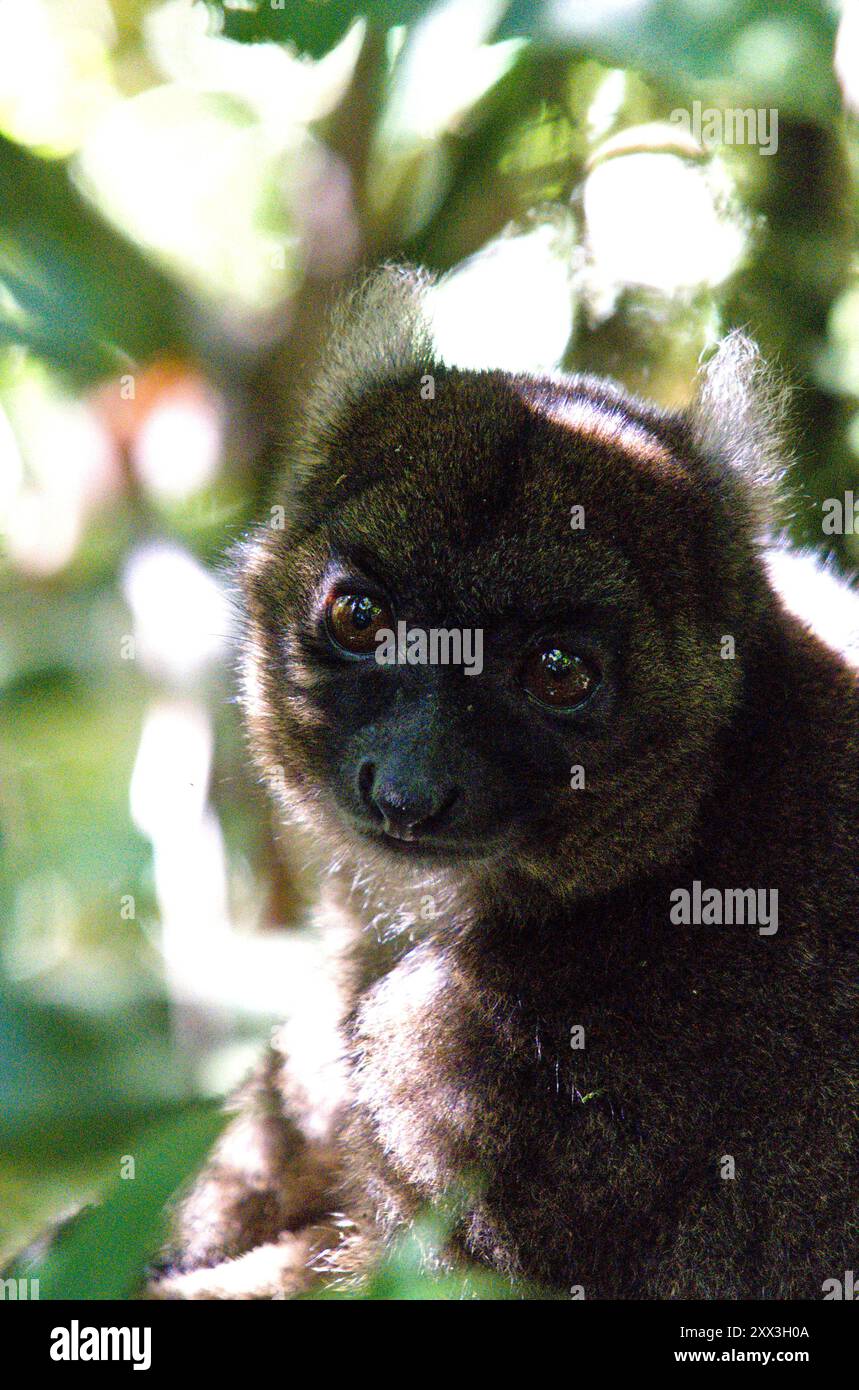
(556, 482)
(485, 435)
(524, 578)
(493, 459)
(504, 552)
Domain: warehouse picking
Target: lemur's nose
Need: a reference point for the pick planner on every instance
(407, 810)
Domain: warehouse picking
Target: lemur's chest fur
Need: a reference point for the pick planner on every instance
(553, 1120)
(564, 1119)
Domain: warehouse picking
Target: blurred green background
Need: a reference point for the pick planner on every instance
(184, 187)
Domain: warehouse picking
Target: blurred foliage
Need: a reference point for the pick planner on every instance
(765, 54)
(101, 1252)
(184, 188)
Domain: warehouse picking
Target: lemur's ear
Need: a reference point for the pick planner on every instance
(377, 333)
(380, 330)
(739, 421)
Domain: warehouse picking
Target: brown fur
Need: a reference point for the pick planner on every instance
(597, 1167)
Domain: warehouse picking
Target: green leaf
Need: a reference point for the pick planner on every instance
(757, 52)
(752, 50)
(103, 1253)
(73, 1084)
(313, 29)
(82, 289)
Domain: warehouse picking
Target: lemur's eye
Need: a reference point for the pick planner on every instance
(559, 678)
(354, 621)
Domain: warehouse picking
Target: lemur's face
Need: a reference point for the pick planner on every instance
(491, 629)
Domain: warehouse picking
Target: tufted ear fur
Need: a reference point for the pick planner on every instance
(377, 333)
(738, 418)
